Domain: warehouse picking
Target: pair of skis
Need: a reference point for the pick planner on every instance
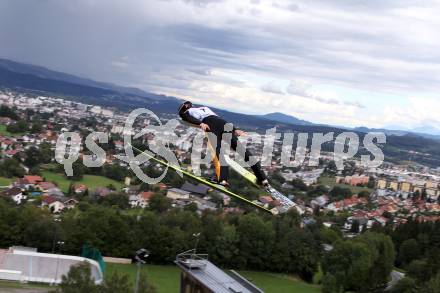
(203, 180)
(286, 202)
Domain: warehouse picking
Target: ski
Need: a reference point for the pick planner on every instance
(204, 181)
(285, 201)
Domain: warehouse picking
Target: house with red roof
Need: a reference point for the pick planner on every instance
(10, 153)
(265, 199)
(140, 200)
(58, 204)
(45, 186)
(79, 188)
(33, 179)
(6, 143)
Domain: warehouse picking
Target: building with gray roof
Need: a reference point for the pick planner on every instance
(199, 189)
(200, 275)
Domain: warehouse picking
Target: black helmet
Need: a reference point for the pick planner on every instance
(184, 106)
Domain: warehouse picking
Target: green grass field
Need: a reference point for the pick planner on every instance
(166, 279)
(4, 132)
(91, 181)
(331, 181)
(6, 181)
(273, 283)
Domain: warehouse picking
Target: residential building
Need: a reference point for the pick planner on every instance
(353, 180)
(405, 187)
(394, 185)
(33, 179)
(14, 193)
(176, 193)
(199, 189)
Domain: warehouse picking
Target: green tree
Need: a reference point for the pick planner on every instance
(278, 178)
(96, 226)
(256, 241)
(406, 285)
(318, 190)
(32, 157)
(46, 153)
(78, 280)
(329, 235)
(303, 254)
(11, 168)
(330, 284)
(299, 184)
(19, 126)
(192, 207)
(419, 270)
(409, 251)
(371, 182)
(331, 168)
(40, 233)
(119, 200)
(355, 227)
(5, 111)
(159, 203)
(145, 285)
(117, 283)
(78, 171)
(433, 286)
(115, 172)
(364, 194)
(37, 127)
(71, 190)
(340, 192)
(145, 187)
(424, 194)
(382, 250)
(349, 262)
(361, 264)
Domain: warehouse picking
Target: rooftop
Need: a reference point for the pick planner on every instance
(199, 267)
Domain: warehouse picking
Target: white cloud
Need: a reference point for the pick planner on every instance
(273, 87)
(274, 55)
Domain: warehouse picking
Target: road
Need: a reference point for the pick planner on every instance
(27, 290)
(395, 278)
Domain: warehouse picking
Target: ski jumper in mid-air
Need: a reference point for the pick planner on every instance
(208, 121)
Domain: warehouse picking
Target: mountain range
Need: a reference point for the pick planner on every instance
(31, 77)
(283, 118)
(401, 145)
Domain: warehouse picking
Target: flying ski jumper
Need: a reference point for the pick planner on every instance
(207, 120)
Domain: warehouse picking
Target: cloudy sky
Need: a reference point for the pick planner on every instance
(374, 63)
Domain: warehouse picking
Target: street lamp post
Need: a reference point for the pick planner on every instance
(55, 232)
(140, 258)
(197, 237)
(60, 243)
(54, 243)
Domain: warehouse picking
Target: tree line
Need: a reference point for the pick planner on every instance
(248, 242)
(251, 241)
(418, 253)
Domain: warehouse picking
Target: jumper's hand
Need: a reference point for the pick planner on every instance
(239, 132)
(205, 127)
